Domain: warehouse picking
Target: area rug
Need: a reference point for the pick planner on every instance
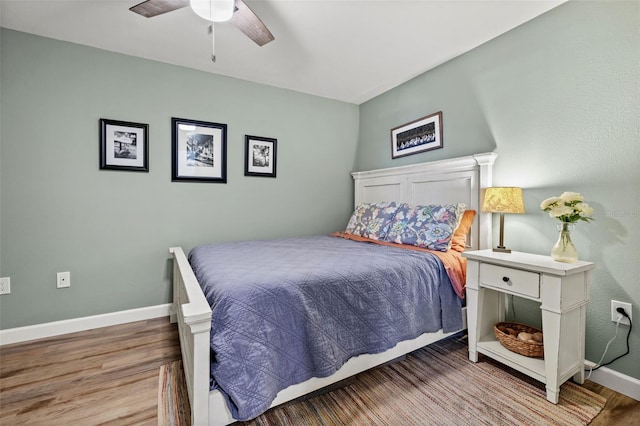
(173, 399)
(436, 385)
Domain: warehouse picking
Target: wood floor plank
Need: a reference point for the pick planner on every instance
(109, 376)
(104, 376)
(620, 410)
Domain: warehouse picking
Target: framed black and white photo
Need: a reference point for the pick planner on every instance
(423, 134)
(199, 151)
(124, 146)
(260, 156)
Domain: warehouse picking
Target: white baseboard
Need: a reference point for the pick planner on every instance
(619, 382)
(56, 328)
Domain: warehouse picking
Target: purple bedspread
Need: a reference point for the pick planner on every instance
(291, 309)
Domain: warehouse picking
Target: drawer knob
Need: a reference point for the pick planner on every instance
(505, 279)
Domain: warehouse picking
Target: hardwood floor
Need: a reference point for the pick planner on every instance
(620, 409)
(102, 376)
(109, 376)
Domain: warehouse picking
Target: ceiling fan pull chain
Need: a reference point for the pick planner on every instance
(213, 44)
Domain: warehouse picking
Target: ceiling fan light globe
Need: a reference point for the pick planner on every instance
(213, 10)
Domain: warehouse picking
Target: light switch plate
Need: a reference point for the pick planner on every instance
(64, 279)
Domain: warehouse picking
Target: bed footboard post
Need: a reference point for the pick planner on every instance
(173, 310)
(199, 387)
(193, 315)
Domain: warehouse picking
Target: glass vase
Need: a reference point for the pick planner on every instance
(564, 250)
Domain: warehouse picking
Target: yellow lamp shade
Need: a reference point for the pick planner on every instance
(503, 200)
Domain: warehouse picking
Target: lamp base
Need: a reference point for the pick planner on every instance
(502, 249)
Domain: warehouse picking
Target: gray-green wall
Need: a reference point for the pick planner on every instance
(558, 99)
(113, 229)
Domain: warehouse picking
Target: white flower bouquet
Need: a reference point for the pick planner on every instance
(568, 207)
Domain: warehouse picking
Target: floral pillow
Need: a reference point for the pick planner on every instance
(372, 220)
(429, 226)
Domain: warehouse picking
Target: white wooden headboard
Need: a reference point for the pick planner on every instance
(451, 181)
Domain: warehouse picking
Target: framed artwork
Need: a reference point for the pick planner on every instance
(260, 156)
(124, 146)
(199, 151)
(423, 134)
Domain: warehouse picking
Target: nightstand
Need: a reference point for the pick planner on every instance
(562, 289)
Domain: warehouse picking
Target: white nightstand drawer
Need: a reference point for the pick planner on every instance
(509, 279)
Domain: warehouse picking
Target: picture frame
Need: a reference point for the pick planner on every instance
(423, 134)
(124, 145)
(199, 151)
(260, 155)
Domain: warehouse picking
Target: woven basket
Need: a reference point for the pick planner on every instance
(516, 345)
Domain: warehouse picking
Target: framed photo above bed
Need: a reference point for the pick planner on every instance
(260, 156)
(124, 146)
(423, 134)
(199, 151)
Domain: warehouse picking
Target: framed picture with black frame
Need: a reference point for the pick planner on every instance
(260, 156)
(124, 146)
(199, 151)
(423, 134)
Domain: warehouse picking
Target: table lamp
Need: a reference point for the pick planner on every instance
(502, 200)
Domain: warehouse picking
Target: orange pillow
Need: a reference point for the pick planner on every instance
(459, 240)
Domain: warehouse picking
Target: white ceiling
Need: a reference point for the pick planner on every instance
(349, 50)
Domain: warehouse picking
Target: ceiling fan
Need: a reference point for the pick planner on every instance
(239, 14)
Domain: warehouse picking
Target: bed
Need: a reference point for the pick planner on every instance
(451, 181)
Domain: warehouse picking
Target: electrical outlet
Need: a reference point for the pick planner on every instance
(5, 285)
(64, 279)
(614, 314)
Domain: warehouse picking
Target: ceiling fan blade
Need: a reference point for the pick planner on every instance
(249, 23)
(151, 8)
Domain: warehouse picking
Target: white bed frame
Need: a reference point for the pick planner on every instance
(442, 182)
